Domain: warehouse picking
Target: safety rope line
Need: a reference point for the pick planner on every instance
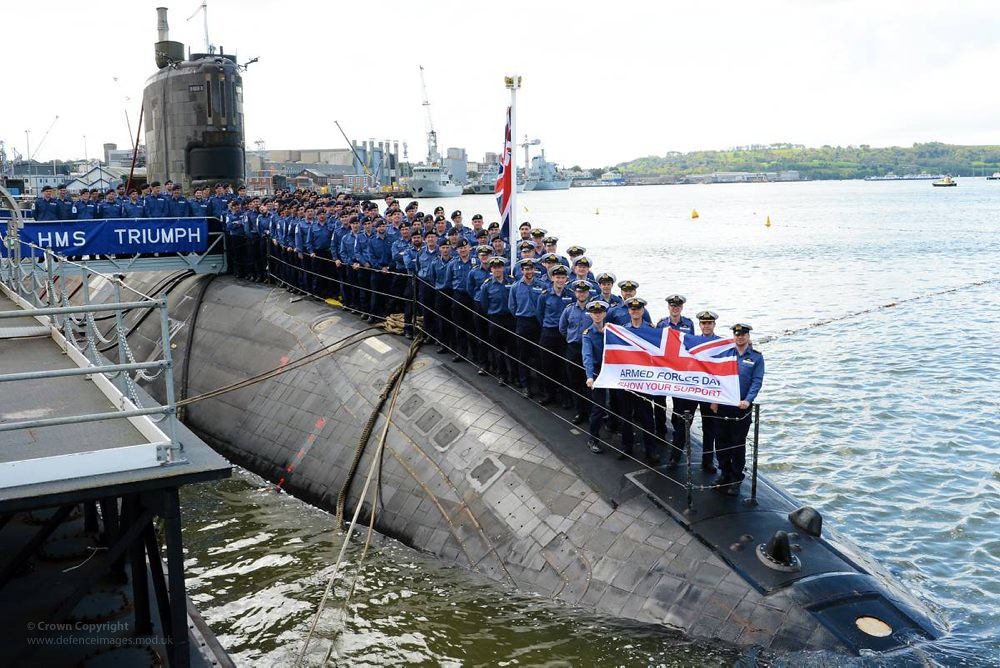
(394, 379)
(308, 358)
(636, 426)
(354, 519)
(876, 309)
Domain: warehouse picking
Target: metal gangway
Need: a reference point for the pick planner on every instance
(81, 437)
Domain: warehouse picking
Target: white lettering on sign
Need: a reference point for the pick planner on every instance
(62, 239)
(158, 236)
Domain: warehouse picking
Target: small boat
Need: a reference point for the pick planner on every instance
(995, 177)
(946, 181)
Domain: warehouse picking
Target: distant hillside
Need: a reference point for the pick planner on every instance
(827, 162)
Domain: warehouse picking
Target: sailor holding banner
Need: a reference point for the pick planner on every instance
(726, 373)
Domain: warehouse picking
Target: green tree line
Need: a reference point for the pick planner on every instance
(826, 162)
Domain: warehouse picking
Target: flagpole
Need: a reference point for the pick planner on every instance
(513, 83)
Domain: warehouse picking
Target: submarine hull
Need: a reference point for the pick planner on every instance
(478, 476)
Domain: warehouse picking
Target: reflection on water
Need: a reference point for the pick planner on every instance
(885, 421)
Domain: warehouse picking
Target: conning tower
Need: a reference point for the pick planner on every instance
(193, 114)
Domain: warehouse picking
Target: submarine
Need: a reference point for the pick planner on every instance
(469, 470)
(480, 477)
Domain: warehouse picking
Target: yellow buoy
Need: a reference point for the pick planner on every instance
(597, 212)
(694, 213)
(768, 223)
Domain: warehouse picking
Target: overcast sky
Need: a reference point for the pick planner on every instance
(604, 82)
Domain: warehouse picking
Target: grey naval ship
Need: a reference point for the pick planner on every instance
(473, 473)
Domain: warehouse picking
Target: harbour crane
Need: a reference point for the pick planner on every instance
(44, 137)
(432, 146)
(525, 144)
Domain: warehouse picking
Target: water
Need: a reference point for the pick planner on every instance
(884, 417)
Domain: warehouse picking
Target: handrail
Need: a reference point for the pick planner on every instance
(35, 281)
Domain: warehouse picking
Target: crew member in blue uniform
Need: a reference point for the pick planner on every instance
(681, 407)
(177, 204)
(236, 239)
(581, 272)
(298, 231)
(380, 250)
(551, 303)
(462, 310)
(255, 261)
(731, 437)
(318, 239)
(537, 234)
(526, 251)
(340, 267)
(494, 298)
(445, 334)
(606, 282)
(572, 322)
(110, 208)
(198, 205)
(354, 255)
(398, 279)
(706, 323)
(46, 206)
(636, 408)
(86, 209)
(132, 207)
(593, 356)
(574, 252)
(65, 203)
(549, 244)
(155, 203)
(477, 276)
(426, 296)
(523, 303)
(409, 257)
(218, 204)
(618, 315)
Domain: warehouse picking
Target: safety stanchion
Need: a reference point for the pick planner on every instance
(688, 417)
(752, 501)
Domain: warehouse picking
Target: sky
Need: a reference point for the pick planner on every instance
(603, 82)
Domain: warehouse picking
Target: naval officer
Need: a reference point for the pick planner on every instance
(709, 421)
(732, 433)
(675, 304)
(593, 356)
(635, 408)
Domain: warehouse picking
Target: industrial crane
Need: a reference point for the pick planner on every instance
(433, 157)
(525, 144)
(44, 137)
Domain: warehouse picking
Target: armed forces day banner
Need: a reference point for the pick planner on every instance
(667, 362)
(124, 236)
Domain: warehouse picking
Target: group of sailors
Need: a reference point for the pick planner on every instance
(151, 200)
(537, 325)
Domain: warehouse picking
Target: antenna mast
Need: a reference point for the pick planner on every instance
(203, 8)
(433, 157)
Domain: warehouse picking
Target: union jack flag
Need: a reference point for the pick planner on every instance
(671, 363)
(505, 184)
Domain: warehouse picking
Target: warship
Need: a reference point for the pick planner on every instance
(543, 175)
(473, 473)
(431, 179)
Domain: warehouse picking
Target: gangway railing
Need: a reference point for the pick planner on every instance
(37, 283)
(158, 250)
(117, 245)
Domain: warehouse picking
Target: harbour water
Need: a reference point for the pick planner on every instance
(873, 303)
